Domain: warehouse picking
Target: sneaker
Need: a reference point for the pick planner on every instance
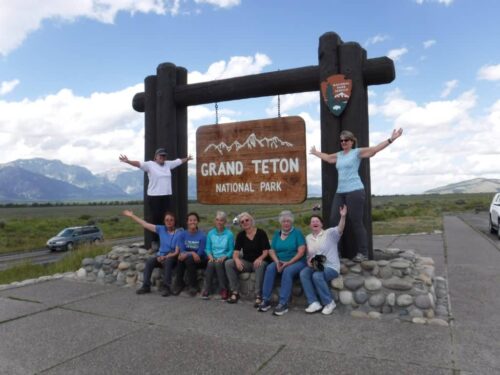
(264, 306)
(314, 307)
(359, 258)
(280, 309)
(166, 292)
(328, 309)
(193, 291)
(204, 294)
(224, 294)
(143, 290)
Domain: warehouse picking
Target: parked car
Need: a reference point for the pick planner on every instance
(68, 238)
(495, 215)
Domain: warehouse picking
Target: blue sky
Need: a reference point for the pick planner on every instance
(69, 70)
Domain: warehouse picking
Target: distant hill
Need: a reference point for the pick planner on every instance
(476, 185)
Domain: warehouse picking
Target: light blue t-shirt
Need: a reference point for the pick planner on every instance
(347, 167)
(220, 244)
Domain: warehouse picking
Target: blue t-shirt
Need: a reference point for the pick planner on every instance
(192, 242)
(286, 249)
(220, 244)
(347, 167)
(168, 241)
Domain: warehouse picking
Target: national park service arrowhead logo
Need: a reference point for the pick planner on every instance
(336, 92)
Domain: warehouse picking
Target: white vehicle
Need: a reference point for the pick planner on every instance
(495, 215)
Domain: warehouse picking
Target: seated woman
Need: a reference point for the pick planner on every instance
(287, 252)
(166, 257)
(192, 255)
(254, 245)
(315, 279)
(220, 246)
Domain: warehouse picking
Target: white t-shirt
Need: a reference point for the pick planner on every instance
(325, 243)
(160, 177)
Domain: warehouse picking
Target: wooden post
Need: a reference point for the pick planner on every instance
(355, 119)
(180, 175)
(166, 129)
(330, 124)
(150, 144)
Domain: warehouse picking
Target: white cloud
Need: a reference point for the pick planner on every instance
(220, 3)
(429, 43)
(20, 18)
(449, 87)
(88, 131)
(376, 39)
(489, 72)
(442, 143)
(292, 101)
(92, 131)
(8, 86)
(396, 54)
(237, 66)
(445, 2)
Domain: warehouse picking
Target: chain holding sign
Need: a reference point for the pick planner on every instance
(261, 161)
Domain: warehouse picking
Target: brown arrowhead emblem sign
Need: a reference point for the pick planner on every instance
(336, 91)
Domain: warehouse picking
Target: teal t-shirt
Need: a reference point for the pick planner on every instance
(286, 249)
(348, 167)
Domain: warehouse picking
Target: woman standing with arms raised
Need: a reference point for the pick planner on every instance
(350, 189)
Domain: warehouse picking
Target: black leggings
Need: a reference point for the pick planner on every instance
(355, 202)
(158, 205)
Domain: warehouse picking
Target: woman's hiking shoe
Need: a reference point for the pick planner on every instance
(280, 310)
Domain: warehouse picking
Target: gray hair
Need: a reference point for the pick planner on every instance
(286, 214)
(246, 214)
(221, 215)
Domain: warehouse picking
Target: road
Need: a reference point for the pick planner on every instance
(479, 221)
(45, 256)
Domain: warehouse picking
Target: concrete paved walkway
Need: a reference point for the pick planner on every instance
(70, 327)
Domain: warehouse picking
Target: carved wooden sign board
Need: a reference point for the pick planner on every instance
(261, 161)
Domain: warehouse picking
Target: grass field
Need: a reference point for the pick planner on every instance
(25, 228)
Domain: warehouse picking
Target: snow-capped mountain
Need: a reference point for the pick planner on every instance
(42, 180)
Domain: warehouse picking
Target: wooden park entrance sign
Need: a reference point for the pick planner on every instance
(167, 96)
(260, 161)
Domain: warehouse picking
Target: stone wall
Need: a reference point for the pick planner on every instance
(398, 285)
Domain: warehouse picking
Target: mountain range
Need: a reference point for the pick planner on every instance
(42, 180)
